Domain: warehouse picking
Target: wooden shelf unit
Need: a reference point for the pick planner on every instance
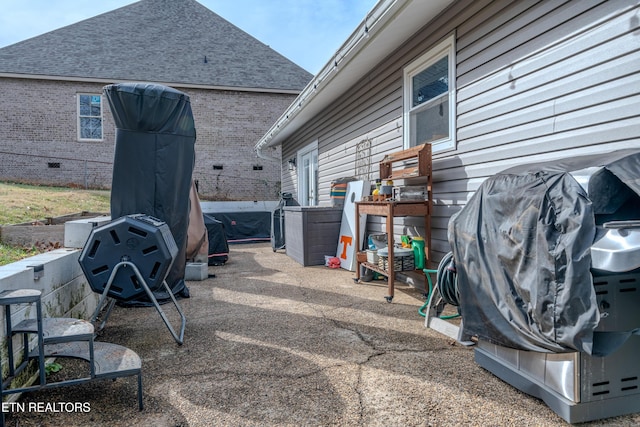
(390, 210)
(422, 167)
(419, 159)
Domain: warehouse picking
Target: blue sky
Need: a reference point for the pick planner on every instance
(307, 32)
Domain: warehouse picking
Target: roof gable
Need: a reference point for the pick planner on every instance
(170, 41)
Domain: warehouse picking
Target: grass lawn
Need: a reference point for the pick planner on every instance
(20, 203)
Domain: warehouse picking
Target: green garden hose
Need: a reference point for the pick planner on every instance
(447, 285)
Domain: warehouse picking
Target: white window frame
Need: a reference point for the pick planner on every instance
(302, 197)
(442, 49)
(79, 117)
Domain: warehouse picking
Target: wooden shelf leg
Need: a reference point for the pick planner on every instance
(390, 260)
(357, 240)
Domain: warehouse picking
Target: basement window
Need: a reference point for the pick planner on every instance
(89, 117)
(53, 165)
(257, 167)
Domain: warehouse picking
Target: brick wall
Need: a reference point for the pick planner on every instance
(39, 144)
(228, 125)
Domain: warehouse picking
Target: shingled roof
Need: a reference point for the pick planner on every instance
(167, 41)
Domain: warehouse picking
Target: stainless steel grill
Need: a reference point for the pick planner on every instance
(578, 386)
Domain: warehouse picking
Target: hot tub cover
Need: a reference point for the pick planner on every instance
(153, 161)
(522, 251)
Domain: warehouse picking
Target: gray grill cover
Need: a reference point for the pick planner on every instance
(522, 250)
(153, 162)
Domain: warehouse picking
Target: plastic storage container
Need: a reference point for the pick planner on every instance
(402, 259)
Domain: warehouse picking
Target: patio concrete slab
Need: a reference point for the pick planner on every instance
(271, 343)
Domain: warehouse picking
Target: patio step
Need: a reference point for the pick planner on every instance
(60, 337)
(110, 360)
(55, 330)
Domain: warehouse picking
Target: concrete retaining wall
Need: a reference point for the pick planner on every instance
(65, 291)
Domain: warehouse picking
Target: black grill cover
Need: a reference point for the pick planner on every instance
(153, 162)
(522, 250)
(218, 246)
(245, 227)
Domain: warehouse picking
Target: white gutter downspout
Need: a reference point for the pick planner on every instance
(266, 156)
(350, 47)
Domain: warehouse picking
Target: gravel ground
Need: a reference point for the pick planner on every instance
(270, 343)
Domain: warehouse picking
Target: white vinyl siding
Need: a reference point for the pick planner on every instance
(559, 80)
(535, 81)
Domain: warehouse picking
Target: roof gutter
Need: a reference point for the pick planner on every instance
(358, 54)
(264, 156)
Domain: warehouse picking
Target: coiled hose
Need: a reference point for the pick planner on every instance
(447, 283)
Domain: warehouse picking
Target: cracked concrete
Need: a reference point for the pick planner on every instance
(271, 343)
